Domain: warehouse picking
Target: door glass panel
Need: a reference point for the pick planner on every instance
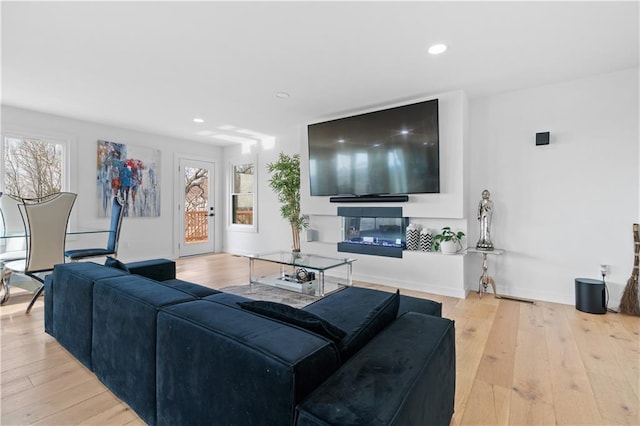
(196, 205)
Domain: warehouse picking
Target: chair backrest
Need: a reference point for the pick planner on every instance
(39, 199)
(11, 222)
(46, 223)
(11, 214)
(1, 216)
(117, 212)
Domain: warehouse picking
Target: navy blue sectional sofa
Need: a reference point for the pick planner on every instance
(182, 354)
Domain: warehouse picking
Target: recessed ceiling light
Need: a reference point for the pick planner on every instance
(198, 120)
(437, 49)
(282, 95)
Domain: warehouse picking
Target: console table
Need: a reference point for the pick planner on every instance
(300, 264)
(486, 280)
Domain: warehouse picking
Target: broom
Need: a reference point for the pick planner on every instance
(630, 304)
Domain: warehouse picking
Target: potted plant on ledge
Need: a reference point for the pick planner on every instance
(447, 241)
(285, 182)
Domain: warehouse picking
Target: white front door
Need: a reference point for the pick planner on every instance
(196, 207)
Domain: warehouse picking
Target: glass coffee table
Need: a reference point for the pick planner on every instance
(301, 272)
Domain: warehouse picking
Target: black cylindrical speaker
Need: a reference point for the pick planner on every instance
(590, 296)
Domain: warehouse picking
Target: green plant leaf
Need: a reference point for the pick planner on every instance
(285, 182)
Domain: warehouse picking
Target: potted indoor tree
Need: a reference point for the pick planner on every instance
(447, 241)
(285, 182)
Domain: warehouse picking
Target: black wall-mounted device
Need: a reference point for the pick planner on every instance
(370, 199)
(542, 138)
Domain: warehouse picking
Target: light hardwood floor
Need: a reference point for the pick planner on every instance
(517, 363)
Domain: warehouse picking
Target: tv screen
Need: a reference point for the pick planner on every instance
(392, 151)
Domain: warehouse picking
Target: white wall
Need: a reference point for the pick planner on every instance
(141, 238)
(273, 232)
(421, 271)
(562, 209)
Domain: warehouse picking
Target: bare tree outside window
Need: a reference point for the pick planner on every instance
(196, 188)
(196, 202)
(32, 167)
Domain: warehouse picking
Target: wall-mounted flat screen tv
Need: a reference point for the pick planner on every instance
(392, 151)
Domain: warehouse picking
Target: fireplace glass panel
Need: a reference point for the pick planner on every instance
(376, 231)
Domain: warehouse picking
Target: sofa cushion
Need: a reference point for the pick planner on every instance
(378, 318)
(222, 365)
(115, 263)
(48, 305)
(348, 307)
(297, 317)
(155, 269)
(404, 376)
(123, 351)
(228, 299)
(195, 290)
(422, 306)
(69, 305)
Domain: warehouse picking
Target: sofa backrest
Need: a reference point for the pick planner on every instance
(124, 344)
(249, 369)
(69, 305)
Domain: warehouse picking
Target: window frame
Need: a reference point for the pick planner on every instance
(69, 147)
(64, 142)
(233, 163)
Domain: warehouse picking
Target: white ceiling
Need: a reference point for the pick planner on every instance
(154, 66)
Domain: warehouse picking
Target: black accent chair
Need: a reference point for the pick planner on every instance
(117, 212)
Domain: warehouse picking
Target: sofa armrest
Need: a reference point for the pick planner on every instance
(48, 305)
(155, 269)
(404, 376)
(422, 306)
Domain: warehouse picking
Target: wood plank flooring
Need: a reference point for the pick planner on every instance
(517, 363)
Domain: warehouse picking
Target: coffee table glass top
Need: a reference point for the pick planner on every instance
(303, 260)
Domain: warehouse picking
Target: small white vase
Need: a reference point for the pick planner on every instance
(449, 247)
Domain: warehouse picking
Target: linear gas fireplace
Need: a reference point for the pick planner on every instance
(378, 231)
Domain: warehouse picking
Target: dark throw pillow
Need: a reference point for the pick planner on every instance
(380, 317)
(115, 263)
(294, 316)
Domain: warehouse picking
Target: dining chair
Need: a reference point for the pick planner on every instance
(117, 212)
(45, 224)
(12, 243)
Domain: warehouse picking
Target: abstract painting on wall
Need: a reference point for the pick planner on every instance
(131, 173)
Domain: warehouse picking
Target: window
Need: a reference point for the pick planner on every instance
(243, 196)
(33, 167)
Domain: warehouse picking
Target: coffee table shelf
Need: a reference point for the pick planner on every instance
(291, 264)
